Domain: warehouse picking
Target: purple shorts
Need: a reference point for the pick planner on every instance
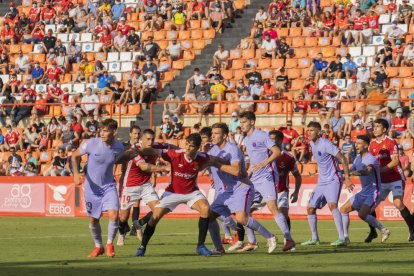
(326, 193)
(359, 199)
(266, 190)
(231, 202)
(98, 203)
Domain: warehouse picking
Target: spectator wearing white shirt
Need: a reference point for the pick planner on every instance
(408, 55)
(221, 57)
(194, 80)
(256, 90)
(394, 32)
(268, 47)
(149, 88)
(88, 107)
(120, 42)
(261, 16)
(364, 36)
(363, 74)
(246, 106)
(173, 51)
(22, 64)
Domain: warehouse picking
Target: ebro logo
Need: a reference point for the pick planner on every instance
(58, 192)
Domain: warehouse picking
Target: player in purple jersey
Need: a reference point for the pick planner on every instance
(100, 186)
(239, 191)
(329, 185)
(262, 152)
(365, 166)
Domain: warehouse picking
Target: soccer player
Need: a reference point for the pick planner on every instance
(134, 135)
(137, 185)
(385, 150)
(262, 153)
(100, 186)
(185, 165)
(367, 168)
(239, 191)
(329, 185)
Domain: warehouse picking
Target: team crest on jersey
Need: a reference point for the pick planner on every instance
(254, 144)
(180, 165)
(319, 153)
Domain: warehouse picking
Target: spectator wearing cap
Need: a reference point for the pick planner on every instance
(172, 106)
(216, 17)
(397, 53)
(221, 57)
(398, 124)
(246, 101)
(234, 122)
(404, 13)
(151, 48)
(48, 13)
(120, 42)
(118, 10)
(394, 32)
(268, 47)
(376, 99)
(48, 42)
(149, 89)
(177, 129)
(22, 64)
(349, 67)
(133, 41)
(318, 68)
(166, 128)
(217, 90)
(74, 52)
(335, 68)
(203, 106)
(408, 55)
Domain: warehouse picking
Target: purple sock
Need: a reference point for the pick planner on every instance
(282, 223)
(230, 223)
(226, 229)
(96, 233)
(112, 230)
(214, 229)
(338, 223)
(374, 222)
(313, 224)
(256, 226)
(345, 224)
(251, 236)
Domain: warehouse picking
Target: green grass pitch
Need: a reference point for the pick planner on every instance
(55, 246)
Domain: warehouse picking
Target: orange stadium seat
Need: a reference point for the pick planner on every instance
(295, 31)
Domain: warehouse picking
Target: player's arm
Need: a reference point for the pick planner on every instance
(275, 154)
(364, 172)
(298, 182)
(75, 166)
(147, 167)
(342, 159)
(233, 169)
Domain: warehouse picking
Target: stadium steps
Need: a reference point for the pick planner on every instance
(230, 38)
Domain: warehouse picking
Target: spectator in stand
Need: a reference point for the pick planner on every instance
(53, 130)
(48, 14)
(172, 107)
(404, 13)
(384, 56)
(318, 68)
(88, 107)
(270, 31)
(179, 20)
(77, 126)
(194, 80)
(177, 129)
(335, 68)
(34, 13)
(364, 36)
(398, 124)
(349, 67)
(329, 87)
(290, 134)
(22, 64)
(151, 48)
(85, 72)
(59, 166)
(221, 57)
(269, 91)
(300, 149)
(14, 162)
(397, 53)
(23, 110)
(30, 138)
(104, 79)
(40, 107)
(165, 128)
(347, 39)
(261, 15)
(281, 79)
(4, 63)
(74, 52)
(244, 103)
(234, 122)
(363, 73)
(117, 91)
(341, 24)
(62, 61)
(302, 107)
(253, 76)
(12, 139)
(81, 22)
(405, 162)
(393, 103)
(376, 99)
(107, 40)
(214, 73)
(120, 42)
(150, 66)
(410, 124)
(353, 90)
(337, 123)
(8, 35)
(381, 75)
(48, 42)
(198, 10)
(11, 86)
(53, 73)
(348, 148)
(408, 55)
(268, 48)
(216, 17)
(217, 90)
(8, 110)
(394, 32)
(54, 92)
(203, 106)
(118, 10)
(91, 128)
(328, 24)
(69, 136)
(67, 24)
(35, 120)
(133, 41)
(283, 49)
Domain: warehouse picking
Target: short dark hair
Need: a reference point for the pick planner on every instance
(384, 123)
(109, 123)
(364, 138)
(224, 128)
(249, 115)
(131, 129)
(195, 138)
(205, 131)
(148, 131)
(279, 135)
(315, 125)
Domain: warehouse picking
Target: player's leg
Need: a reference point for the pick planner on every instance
(93, 205)
(123, 226)
(214, 230)
(150, 197)
(398, 196)
(283, 205)
(96, 232)
(201, 206)
(129, 196)
(112, 230)
(332, 192)
(316, 200)
(135, 217)
(364, 214)
(346, 208)
(226, 230)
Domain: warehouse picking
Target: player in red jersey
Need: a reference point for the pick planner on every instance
(136, 183)
(286, 164)
(185, 165)
(385, 150)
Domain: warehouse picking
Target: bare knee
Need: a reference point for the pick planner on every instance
(242, 218)
(332, 206)
(311, 211)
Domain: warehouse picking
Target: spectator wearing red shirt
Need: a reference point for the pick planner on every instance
(269, 91)
(53, 73)
(8, 34)
(34, 13)
(122, 26)
(358, 20)
(198, 10)
(329, 87)
(40, 107)
(107, 41)
(290, 134)
(398, 124)
(341, 24)
(328, 24)
(301, 107)
(311, 88)
(301, 150)
(269, 31)
(76, 126)
(48, 14)
(373, 21)
(54, 93)
(404, 161)
(12, 139)
(392, 8)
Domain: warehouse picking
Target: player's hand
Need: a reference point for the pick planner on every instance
(167, 169)
(348, 184)
(258, 167)
(294, 197)
(206, 147)
(77, 179)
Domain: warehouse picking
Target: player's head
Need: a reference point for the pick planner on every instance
(134, 134)
(147, 138)
(277, 136)
(192, 144)
(108, 130)
(205, 134)
(362, 143)
(220, 132)
(247, 121)
(380, 127)
(314, 130)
